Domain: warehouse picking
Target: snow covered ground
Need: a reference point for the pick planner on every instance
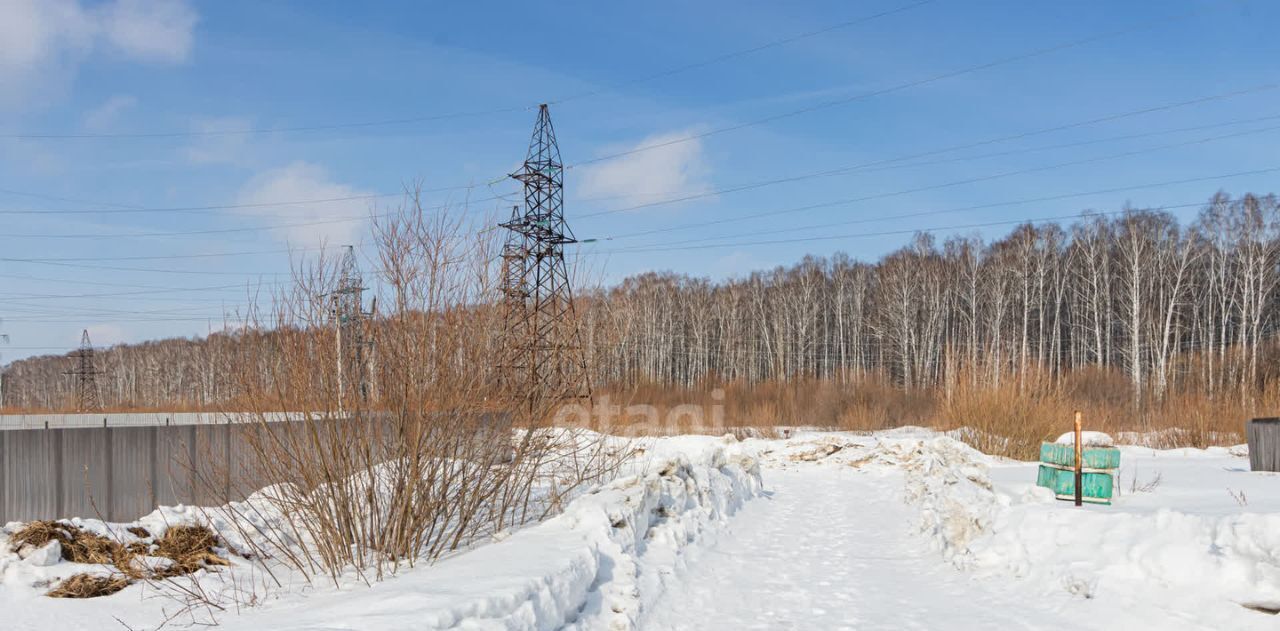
(904, 529)
(594, 565)
(977, 546)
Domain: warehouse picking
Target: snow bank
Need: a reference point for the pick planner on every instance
(1187, 557)
(586, 568)
(1088, 439)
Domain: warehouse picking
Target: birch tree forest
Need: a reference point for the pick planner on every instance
(1133, 293)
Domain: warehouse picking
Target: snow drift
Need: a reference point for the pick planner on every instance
(1188, 557)
(586, 568)
(595, 565)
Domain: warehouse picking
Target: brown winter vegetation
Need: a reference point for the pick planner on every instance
(410, 446)
(1006, 419)
(188, 548)
(1141, 322)
(78, 545)
(88, 586)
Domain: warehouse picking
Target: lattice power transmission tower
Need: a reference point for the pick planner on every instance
(355, 345)
(86, 375)
(542, 349)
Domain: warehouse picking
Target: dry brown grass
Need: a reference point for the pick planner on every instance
(1008, 418)
(88, 586)
(38, 534)
(188, 547)
(78, 545)
(756, 409)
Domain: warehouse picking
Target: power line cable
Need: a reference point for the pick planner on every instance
(741, 53)
(1031, 220)
(464, 114)
(77, 281)
(114, 268)
(270, 130)
(90, 311)
(126, 209)
(124, 320)
(211, 207)
(157, 257)
(963, 208)
(933, 152)
(118, 294)
(58, 198)
(887, 164)
(121, 208)
(208, 231)
(1039, 52)
(918, 189)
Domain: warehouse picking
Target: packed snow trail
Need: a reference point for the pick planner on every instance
(831, 548)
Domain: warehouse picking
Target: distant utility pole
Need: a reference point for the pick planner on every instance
(542, 348)
(86, 376)
(355, 346)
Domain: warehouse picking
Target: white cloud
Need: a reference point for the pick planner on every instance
(654, 174)
(305, 181)
(104, 116)
(150, 30)
(43, 42)
(218, 148)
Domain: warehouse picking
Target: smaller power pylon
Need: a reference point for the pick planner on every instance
(86, 376)
(355, 345)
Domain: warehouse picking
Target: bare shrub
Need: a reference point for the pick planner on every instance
(1239, 497)
(1145, 487)
(1006, 419)
(432, 454)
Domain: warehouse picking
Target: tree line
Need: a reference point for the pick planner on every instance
(1167, 305)
(1134, 292)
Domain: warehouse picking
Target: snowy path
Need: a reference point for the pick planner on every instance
(833, 549)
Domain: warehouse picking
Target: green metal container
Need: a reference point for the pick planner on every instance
(1094, 457)
(1057, 472)
(1097, 486)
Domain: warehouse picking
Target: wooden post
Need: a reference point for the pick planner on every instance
(1079, 463)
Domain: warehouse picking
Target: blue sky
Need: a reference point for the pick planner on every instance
(157, 85)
